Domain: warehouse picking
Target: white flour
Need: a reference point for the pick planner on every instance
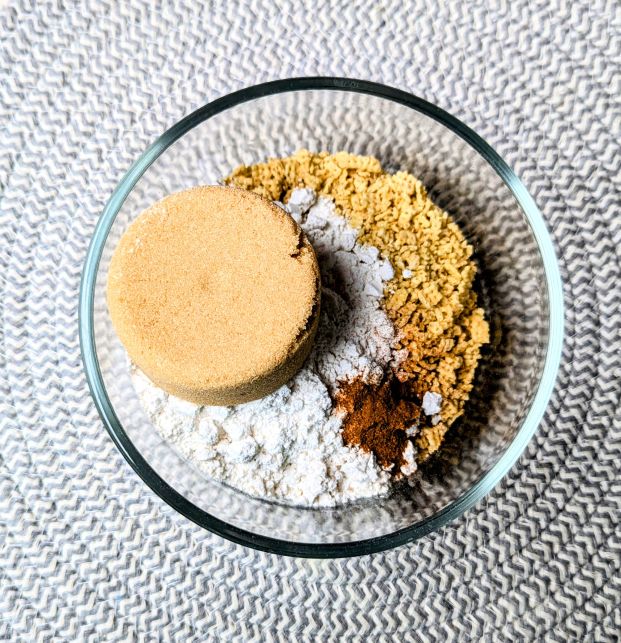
(287, 446)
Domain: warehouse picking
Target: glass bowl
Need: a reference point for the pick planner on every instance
(519, 285)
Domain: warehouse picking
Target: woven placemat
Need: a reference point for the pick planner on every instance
(88, 551)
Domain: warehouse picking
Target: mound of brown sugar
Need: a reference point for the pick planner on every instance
(214, 292)
(430, 300)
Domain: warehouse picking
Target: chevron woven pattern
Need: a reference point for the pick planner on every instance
(88, 551)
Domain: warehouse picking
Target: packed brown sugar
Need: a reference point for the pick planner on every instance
(430, 299)
(214, 293)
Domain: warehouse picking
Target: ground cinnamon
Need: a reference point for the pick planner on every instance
(378, 418)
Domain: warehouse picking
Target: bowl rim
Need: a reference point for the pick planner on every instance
(309, 549)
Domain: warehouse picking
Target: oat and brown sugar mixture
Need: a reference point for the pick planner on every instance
(430, 300)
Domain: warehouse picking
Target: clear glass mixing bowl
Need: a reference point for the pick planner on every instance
(519, 287)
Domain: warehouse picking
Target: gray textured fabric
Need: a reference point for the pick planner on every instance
(88, 552)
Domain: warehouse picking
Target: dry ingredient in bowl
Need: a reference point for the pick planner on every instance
(288, 445)
(430, 299)
(195, 280)
(397, 346)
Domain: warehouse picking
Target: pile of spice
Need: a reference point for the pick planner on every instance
(430, 299)
(395, 354)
